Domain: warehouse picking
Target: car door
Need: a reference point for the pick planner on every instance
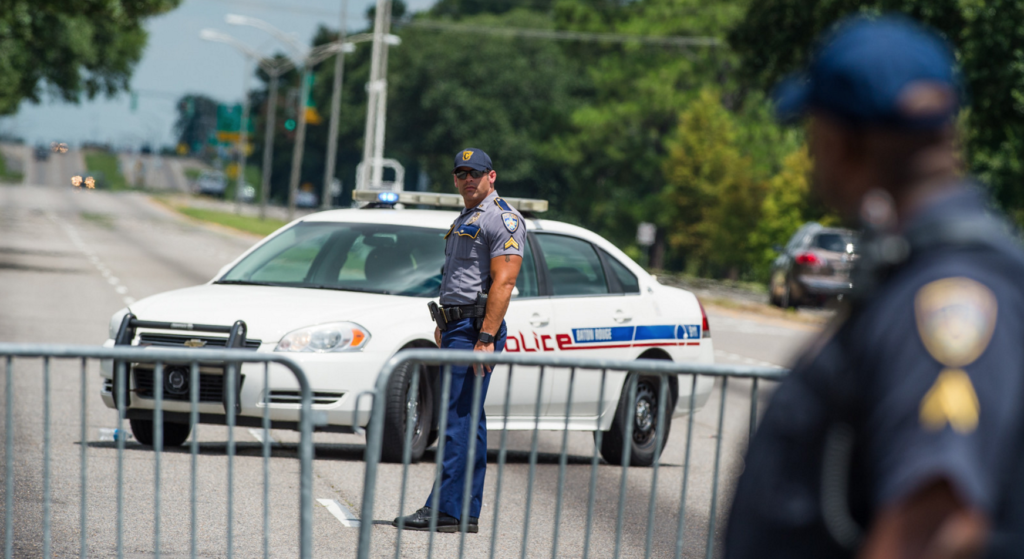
(593, 316)
(528, 319)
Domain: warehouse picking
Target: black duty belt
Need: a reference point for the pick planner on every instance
(444, 316)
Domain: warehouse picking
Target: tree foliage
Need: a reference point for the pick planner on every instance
(774, 38)
(70, 48)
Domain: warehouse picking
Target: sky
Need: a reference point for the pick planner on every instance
(176, 62)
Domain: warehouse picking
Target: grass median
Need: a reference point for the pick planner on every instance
(241, 222)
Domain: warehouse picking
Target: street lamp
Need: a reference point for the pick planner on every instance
(274, 70)
(307, 59)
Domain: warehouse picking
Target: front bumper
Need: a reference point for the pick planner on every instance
(336, 384)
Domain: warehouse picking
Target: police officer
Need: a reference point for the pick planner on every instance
(483, 254)
(898, 434)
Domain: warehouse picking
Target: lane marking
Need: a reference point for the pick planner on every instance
(341, 512)
(102, 268)
(746, 360)
(258, 435)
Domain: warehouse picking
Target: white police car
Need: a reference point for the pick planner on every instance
(342, 291)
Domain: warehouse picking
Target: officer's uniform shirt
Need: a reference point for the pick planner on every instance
(491, 229)
(935, 361)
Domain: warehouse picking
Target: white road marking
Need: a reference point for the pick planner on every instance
(745, 360)
(258, 435)
(76, 240)
(341, 512)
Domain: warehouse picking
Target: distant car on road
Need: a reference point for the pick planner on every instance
(813, 267)
(212, 183)
(341, 292)
(42, 153)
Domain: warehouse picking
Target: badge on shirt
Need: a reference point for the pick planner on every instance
(511, 222)
(956, 318)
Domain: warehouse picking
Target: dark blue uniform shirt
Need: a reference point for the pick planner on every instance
(927, 376)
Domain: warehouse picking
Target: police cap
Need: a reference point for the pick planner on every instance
(474, 159)
(888, 71)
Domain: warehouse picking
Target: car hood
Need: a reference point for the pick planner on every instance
(269, 312)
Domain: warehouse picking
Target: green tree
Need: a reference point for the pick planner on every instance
(69, 49)
(775, 38)
(196, 120)
(785, 208)
(710, 198)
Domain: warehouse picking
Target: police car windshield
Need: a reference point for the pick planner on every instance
(365, 257)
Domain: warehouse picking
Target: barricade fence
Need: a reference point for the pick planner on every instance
(23, 537)
(651, 390)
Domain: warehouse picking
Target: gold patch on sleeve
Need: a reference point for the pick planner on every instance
(955, 318)
(475, 217)
(511, 243)
(950, 400)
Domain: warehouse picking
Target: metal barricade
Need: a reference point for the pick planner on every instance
(573, 368)
(230, 359)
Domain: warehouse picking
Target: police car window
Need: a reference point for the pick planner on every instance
(573, 266)
(626, 278)
(374, 258)
(526, 283)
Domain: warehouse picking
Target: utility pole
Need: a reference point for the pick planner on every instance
(332, 133)
(373, 171)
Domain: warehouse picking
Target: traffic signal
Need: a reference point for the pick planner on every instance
(289, 124)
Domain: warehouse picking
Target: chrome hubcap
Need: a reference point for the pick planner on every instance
(645, 413)
(412, 409)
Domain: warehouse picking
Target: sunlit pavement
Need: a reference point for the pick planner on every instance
(69, 259)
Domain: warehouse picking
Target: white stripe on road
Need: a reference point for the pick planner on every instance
(258, 435)
(745, 360)
(341, 512)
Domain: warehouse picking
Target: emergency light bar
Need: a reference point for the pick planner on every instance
(439, 200)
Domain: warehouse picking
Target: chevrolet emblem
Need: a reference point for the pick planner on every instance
(195, 343)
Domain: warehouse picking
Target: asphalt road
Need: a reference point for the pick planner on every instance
(69, 259)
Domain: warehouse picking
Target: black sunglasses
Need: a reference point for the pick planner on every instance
(461, 175)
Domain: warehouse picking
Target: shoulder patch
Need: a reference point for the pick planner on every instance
(950, 400)
(955, 318)
(511, 221)
(511, 242)
(503, 205)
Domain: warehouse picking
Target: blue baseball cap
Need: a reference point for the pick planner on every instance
(888, 71)
(474, 159)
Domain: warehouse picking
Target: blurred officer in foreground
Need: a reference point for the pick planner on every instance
(899, 432)
(483, 254)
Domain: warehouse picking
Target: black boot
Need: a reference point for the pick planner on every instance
(420, 520)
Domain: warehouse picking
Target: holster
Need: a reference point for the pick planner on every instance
(437, 315)
(443, 316)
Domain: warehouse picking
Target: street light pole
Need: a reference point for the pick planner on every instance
(332, 133)
(243, 138)
(377, 88)
(268, 142)
(300, 141)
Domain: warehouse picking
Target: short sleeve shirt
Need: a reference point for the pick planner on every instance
(939, 365)
(491, 229)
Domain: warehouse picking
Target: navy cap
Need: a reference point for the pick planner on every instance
(888, 71)
(474, 159)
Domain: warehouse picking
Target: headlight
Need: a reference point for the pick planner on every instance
(325, 338)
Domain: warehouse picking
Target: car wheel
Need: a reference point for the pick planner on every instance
(175, 434)
(643, 413)
(397, 411)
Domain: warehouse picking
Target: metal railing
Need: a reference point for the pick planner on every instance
(231, 360)
(667, 373)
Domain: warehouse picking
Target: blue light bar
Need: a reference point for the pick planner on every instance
(388, 197)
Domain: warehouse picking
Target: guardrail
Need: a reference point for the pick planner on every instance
(663, 371)
(230, 359)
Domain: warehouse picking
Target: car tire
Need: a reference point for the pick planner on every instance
(175, 434)
(643, 412)
(395, 414)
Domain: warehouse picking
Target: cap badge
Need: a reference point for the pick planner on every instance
(511, 222)
(466, 155)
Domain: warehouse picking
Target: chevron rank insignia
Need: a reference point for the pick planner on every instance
(950, 400)
(511, 221)
(511, 242)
